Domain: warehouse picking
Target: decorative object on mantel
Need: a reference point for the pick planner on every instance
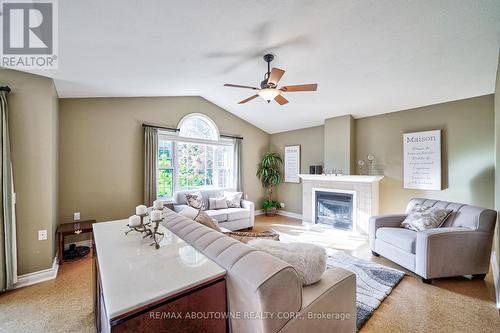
(269, 174)
(362, 163)
(422, 160)
(137, 222)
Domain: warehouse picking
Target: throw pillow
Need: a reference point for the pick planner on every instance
(200, 217)
(217, 203)
(195, 200)
(233, 199)
(307, 259)
(423, 217)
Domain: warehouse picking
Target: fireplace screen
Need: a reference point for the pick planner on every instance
(335, 209)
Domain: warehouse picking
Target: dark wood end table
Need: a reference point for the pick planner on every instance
(72, 228)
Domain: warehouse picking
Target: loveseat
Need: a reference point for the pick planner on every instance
(461, 246)
(265, 294)
(228, 218)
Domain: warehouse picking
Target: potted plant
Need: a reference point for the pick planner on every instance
(269, 174)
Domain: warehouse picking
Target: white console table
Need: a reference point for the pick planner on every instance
(136, 285)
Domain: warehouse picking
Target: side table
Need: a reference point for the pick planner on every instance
(72, 228)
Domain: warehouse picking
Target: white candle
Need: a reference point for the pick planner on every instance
(155, 215)
(140, 210)
(157, 204)
(134, 221)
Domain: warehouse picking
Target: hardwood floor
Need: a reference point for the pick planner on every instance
(448, 305)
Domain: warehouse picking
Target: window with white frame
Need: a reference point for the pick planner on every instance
(194, 158)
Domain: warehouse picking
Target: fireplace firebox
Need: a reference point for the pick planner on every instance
(335, 209)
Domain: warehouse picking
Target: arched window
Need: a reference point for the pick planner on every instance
(198, 126)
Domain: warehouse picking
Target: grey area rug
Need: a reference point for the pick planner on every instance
(374, 283)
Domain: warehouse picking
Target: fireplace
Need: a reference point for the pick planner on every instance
(335, 208)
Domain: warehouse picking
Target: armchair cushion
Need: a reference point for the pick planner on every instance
(402, 238)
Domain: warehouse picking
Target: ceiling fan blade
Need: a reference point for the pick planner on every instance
(281, 100)
(247, 99)
(300, 87)
(275, 76)
(239, 86)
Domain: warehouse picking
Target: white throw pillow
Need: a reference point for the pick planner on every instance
(308, 260)
(233, 199)
(217, 203)
(422, 217)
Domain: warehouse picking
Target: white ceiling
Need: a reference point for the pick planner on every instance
(368, 57)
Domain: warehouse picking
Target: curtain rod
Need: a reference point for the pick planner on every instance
(6, 88)
(172, 129)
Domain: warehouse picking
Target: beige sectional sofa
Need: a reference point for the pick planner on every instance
(265, 293)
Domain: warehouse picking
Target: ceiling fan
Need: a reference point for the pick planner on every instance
(269, 86)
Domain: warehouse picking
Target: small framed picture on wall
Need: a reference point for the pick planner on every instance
(292, 164)
(422, 160)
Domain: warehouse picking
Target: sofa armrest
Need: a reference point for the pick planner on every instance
(381, 221)
(251, 207)
(444, 252)
(334, 296)
(179, 208)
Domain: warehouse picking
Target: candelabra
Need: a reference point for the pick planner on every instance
(146, 227)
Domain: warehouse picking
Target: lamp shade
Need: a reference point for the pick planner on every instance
(269, 93)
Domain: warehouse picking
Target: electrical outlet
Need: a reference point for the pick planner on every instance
(246, 196)
(282, 204)
(76, 216)
(42, 234)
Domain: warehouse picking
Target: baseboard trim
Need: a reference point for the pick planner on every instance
(37, 277)
(259, 212)
(496, 277)
(289, 214)
(87, 242)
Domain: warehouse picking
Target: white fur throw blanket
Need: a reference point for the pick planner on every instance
(308, 260)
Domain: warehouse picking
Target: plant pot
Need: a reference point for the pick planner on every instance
(271, 211)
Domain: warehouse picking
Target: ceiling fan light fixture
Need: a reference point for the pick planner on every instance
(269, 93)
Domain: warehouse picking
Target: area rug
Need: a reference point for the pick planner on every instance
(374, 282)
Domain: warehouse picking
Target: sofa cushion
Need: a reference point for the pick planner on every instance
(402, 238)
(220, 214)
(234, 214)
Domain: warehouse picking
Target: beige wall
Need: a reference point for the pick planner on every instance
(311, 141)
(467, 151)
(33, 120)
(101, 150)
(339, 144)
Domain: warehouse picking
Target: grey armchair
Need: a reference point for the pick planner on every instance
(462, 246)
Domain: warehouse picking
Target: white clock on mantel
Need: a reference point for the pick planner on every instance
(342, 178)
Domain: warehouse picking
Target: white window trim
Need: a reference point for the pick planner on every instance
(205, 117)
(175, 138)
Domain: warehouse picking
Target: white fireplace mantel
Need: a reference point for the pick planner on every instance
(364, 188)
(342, 178)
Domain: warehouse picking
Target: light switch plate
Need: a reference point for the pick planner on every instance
(42, 234)
(76, 216)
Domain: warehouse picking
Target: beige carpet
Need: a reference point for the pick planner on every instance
(60, 305)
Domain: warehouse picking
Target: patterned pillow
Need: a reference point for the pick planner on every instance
(233, 199)
(217, 203)
(195, 200)
(423, 217)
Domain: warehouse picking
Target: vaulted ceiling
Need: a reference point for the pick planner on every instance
(368, 57)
